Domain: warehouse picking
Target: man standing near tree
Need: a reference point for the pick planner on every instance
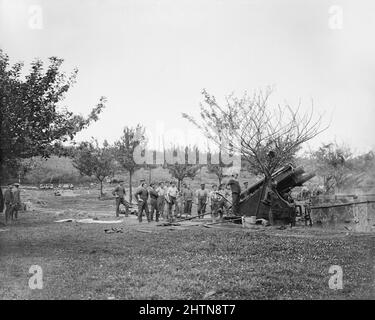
(236, 191)
(119, 192)
(9, 202)
(142, 196)
(202, 197)
(214, 201)
(171, 198)
(161, 190)
(223, 202)
(154, 203)
(188, 196)
(16, 200)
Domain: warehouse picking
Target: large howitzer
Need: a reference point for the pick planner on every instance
(272, 202)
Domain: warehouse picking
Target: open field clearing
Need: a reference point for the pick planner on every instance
(82, 261)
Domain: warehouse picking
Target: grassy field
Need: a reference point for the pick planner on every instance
(81, 261)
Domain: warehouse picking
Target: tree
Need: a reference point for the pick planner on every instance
(180, 171)
(217, 169)
(124, 150)
(339, 168)
(18, 168)
(92, 160)
(31, 121)
(266, 137)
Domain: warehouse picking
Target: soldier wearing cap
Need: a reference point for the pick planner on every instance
(142, 197)
(16, 200)
(141, 181)
(153, 202)
(9, 201)
(214, 201)
(223, 202)
(120, 193)
(202, 197)
(236, 191)
(187, 196)
(171, 198)
(161, 190)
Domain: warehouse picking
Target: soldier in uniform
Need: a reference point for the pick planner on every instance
(119, 192)
(187, 196)
(214, 200)
(9, 201)
(153, 203)
(172, 194)
(142, 196)
(223, 202)
(202, 197)
(161, 190)
(16, 200)
(236, 191)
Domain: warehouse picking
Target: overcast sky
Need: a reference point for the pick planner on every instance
(151, 59)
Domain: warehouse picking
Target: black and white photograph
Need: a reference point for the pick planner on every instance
(187, 155)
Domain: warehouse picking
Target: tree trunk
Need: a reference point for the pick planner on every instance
(130, 187)
(1, 176)
(101, 188)
(1, 159)
(179, 184)
(149, 176)
(1, 198)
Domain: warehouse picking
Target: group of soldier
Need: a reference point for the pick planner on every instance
(11, 200)
(154, 199)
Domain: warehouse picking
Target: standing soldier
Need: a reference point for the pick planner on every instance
(142, 196)
(202, 197)
(119, 192)
(154, 203)
(179, 206)
(223, 202)
(187, 196)
(236, 191)
(8, 200)
(16, 200)
(161, 198)
(214, 200)
(171, 199)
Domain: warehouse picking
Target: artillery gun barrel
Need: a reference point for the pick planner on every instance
(304, 178)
